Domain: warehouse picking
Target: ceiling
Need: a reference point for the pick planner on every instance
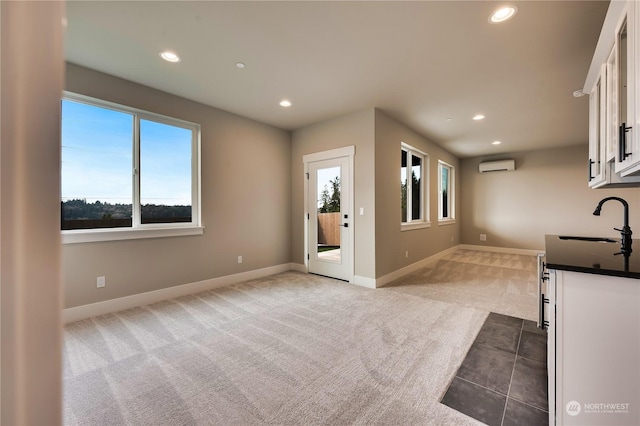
(431, 65)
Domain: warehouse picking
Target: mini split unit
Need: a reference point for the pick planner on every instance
(497, 166)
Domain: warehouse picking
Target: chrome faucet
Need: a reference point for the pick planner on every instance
(625, 232)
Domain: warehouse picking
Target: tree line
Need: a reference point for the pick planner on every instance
(79, 209)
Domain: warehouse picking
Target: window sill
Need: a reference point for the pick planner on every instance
(446, 222)
(414, 225)
(117, 234)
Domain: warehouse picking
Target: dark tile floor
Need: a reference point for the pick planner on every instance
(503, 379)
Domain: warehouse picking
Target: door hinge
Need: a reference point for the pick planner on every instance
(307, 175)
(308, 216)
(308, 258)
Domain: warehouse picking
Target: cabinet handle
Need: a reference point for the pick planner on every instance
(542, 323)
(542, 276)
(591, 163)
(622, 142)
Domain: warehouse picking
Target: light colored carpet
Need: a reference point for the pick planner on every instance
(496, 282)
(293, 349)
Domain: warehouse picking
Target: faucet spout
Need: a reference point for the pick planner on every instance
(625, 232)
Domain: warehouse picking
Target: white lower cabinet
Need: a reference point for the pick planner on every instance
(594, 349)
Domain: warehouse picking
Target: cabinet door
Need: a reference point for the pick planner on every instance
(627, 156)
(611, 109)
(594, 358)
(597, 130)
(609, 125)
(552, 349)
(630, 165)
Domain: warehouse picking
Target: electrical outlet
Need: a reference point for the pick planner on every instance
(239, 260)
(483, 237)
(101, 282)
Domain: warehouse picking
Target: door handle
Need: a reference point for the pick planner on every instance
(346, 225)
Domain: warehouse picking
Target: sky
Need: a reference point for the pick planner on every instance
(97, 157)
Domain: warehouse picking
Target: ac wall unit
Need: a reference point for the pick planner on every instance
(497, 166)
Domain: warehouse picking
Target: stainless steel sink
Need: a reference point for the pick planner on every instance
(592, 239)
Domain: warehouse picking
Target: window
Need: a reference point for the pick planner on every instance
(414, 186)
(125, 169)
(446, 193)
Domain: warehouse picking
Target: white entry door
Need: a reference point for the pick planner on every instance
(329, 217)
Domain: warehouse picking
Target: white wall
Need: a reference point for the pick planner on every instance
(546, 194)
(31, 72)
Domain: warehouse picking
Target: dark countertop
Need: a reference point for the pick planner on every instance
(592, 257)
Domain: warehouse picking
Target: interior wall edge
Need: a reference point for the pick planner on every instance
(32, 73)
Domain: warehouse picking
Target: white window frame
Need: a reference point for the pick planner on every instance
(451, 218)
(424, 221)
(139, 230)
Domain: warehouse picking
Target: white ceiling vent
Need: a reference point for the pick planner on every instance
(497, 166)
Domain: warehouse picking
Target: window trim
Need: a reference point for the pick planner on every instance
(139, 230)
(425, 220)
(451, 218)
(75, 236)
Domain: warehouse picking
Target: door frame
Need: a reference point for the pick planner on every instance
(349, 152)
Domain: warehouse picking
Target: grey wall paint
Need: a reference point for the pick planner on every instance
(246, 199)
(253, 199)
(546, 194)
(379, 244)
(391, 243)
(354, 129)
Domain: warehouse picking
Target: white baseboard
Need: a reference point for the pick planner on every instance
(364, 281)
(526, 252)
(114, 305)
(384, 280)
(298, 267)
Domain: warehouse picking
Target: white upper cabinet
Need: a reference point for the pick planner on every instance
(614, 100)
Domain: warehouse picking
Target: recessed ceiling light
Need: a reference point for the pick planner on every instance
(449, 119)
(503, 14)
(169, 56)
(240, 65)
(478, 117)
(496, 143)
(285, 103)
